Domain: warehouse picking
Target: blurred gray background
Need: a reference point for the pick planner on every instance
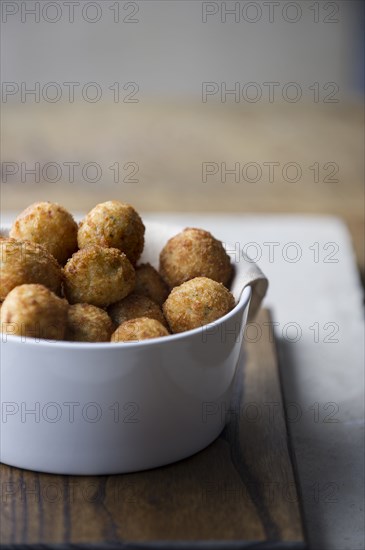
(138, 70)
(170, 47)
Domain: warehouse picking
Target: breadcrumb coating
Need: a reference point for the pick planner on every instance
(134, 306)
(32, 310)
(87, 323)
(116, 225)
(135, 330)
(194, 253)
(50, 225)
(150, 283)
(98, 276)
(196, 303)
(23, 262)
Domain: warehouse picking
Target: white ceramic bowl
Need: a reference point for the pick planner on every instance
(78, 408)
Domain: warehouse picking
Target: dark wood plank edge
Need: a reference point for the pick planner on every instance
(292, 456)
(165, 545)
(231, 435)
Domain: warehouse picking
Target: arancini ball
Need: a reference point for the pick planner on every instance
(134, 306)
(196, 303)
(33, 311)
(98, 276)
(50, 225)
(150, 283)
(23, 262)
(194, 253)
(87, 323)
(135, 330)
(116, 225)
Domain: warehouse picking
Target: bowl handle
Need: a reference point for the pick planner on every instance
(252, 276)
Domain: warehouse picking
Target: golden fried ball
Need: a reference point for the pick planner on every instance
(50, 225)
(196, 303)
(194, 253)
(150, 283)
(98, 276)
(23, 262)
(134, 306)
(87, 323)
(34, 311)
(116, 225)
(142, 328)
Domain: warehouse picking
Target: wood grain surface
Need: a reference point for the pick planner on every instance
(160, 148)
(239, 491)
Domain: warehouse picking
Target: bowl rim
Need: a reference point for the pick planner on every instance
(242, 303)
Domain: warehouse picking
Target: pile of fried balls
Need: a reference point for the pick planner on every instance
(60, 280)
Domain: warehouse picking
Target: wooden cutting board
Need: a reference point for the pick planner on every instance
(240, 492)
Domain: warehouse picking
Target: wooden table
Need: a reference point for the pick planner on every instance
(239, 492)
(166, 145)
